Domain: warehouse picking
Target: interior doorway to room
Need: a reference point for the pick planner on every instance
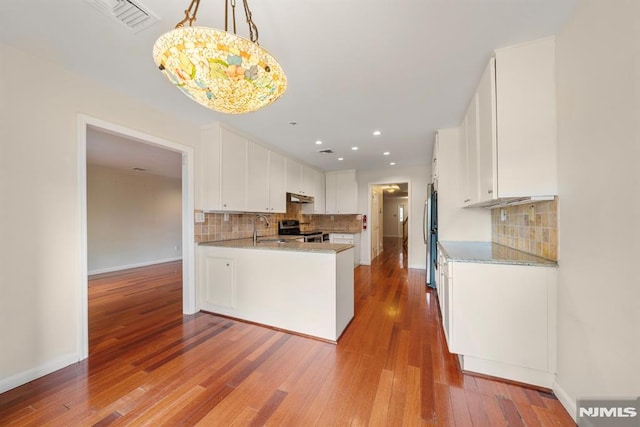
(136, 212)
(389, 217)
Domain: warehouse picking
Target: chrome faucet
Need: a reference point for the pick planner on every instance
(255, 219)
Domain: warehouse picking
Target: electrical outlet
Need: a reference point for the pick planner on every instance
(226, 217)
(532, 213)
(503, 214)
(199, 216)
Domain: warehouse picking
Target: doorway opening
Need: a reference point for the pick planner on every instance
(123, 153)
(389, 208)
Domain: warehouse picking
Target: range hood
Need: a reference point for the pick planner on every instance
(509, 201)
(299, 198)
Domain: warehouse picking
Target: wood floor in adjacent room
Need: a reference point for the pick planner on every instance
(151, 365)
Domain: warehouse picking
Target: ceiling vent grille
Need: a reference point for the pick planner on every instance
(132, 15)
(326, 151)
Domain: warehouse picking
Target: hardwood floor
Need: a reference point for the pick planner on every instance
(150, 365)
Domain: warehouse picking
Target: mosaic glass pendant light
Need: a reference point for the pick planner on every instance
(219, 69)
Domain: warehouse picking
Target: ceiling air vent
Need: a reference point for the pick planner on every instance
(326, 151)
(133, 15)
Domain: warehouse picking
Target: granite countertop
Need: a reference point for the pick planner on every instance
(268, 242)
(490, 253)
(343, 231)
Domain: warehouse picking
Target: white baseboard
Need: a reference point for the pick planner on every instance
(567, 401)
(136, 265)
(24, 377)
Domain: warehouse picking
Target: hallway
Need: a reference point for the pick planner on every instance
(149, 364)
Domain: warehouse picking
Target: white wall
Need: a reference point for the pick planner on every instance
(598, 84)
(418, 178)
(133, 218)
(40, 271)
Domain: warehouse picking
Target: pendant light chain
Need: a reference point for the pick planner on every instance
(252, 26)
(190, 14)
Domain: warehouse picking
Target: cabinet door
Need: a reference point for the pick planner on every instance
(277, 191)
(218, 287)
(346, 193)
(472, 150)
(234, 171)
(307, 181)
(209, 166)
(319, 205)
(526, 119)
(257, 178)
(330, 191)
(463, 180)
(294, 176)
(487, 165)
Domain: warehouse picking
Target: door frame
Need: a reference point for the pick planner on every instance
(389, 181)
(188, 236)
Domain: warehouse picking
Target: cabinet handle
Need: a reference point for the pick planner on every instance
(490, 191)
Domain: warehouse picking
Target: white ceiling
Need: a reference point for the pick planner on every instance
(405, 67)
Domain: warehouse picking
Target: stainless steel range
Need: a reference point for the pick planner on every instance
(291, 227)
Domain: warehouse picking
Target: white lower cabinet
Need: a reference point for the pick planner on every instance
(500, 319)
(348, 239)
(218, 286)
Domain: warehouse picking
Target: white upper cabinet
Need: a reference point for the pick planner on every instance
(209, 167)
(515, 127)
(294, 176)
(319, 195)
(257, 178)
(469, 150)
(233, 168)
(277, 192)
(487, 147)
(341, 192)
(307, 181)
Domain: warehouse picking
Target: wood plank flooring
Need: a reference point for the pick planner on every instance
(151, 365)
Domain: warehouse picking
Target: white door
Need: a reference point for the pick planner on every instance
(402, 214)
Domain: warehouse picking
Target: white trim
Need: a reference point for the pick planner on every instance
(387, 181)
(188, 237)
(566, 400)
(39, 371)
(418, 266)
(136, 265)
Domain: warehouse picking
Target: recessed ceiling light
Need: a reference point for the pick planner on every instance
(392, 163)
(376, 132)
(318, 142)
(386, 153)
(341, 158)
(354, 148)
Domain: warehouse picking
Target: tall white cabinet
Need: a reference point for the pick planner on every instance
(509, 131)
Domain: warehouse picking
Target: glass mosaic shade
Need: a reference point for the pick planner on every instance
(219, 70)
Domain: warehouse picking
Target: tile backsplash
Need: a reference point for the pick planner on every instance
(240, 225)
(535, 232)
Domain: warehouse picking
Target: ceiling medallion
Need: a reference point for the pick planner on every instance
(219, 69)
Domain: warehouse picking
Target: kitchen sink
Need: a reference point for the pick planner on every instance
(272, 241)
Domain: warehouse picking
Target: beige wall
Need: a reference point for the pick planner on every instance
(133, 219)
(417, 177)
(40, 271)
(598, 82)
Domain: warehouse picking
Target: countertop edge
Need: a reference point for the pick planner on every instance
(533, 261)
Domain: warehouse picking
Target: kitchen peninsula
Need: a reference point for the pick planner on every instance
(306, 288)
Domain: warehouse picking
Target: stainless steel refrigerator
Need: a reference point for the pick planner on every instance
(430, 233)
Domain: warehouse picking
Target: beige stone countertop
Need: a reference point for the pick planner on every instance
(491, 253)
(272, 243)
(326, 230)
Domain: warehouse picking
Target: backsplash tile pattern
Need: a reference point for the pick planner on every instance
(240, 225)
(538, 237)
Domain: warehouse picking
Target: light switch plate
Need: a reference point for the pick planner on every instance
(199, 216)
